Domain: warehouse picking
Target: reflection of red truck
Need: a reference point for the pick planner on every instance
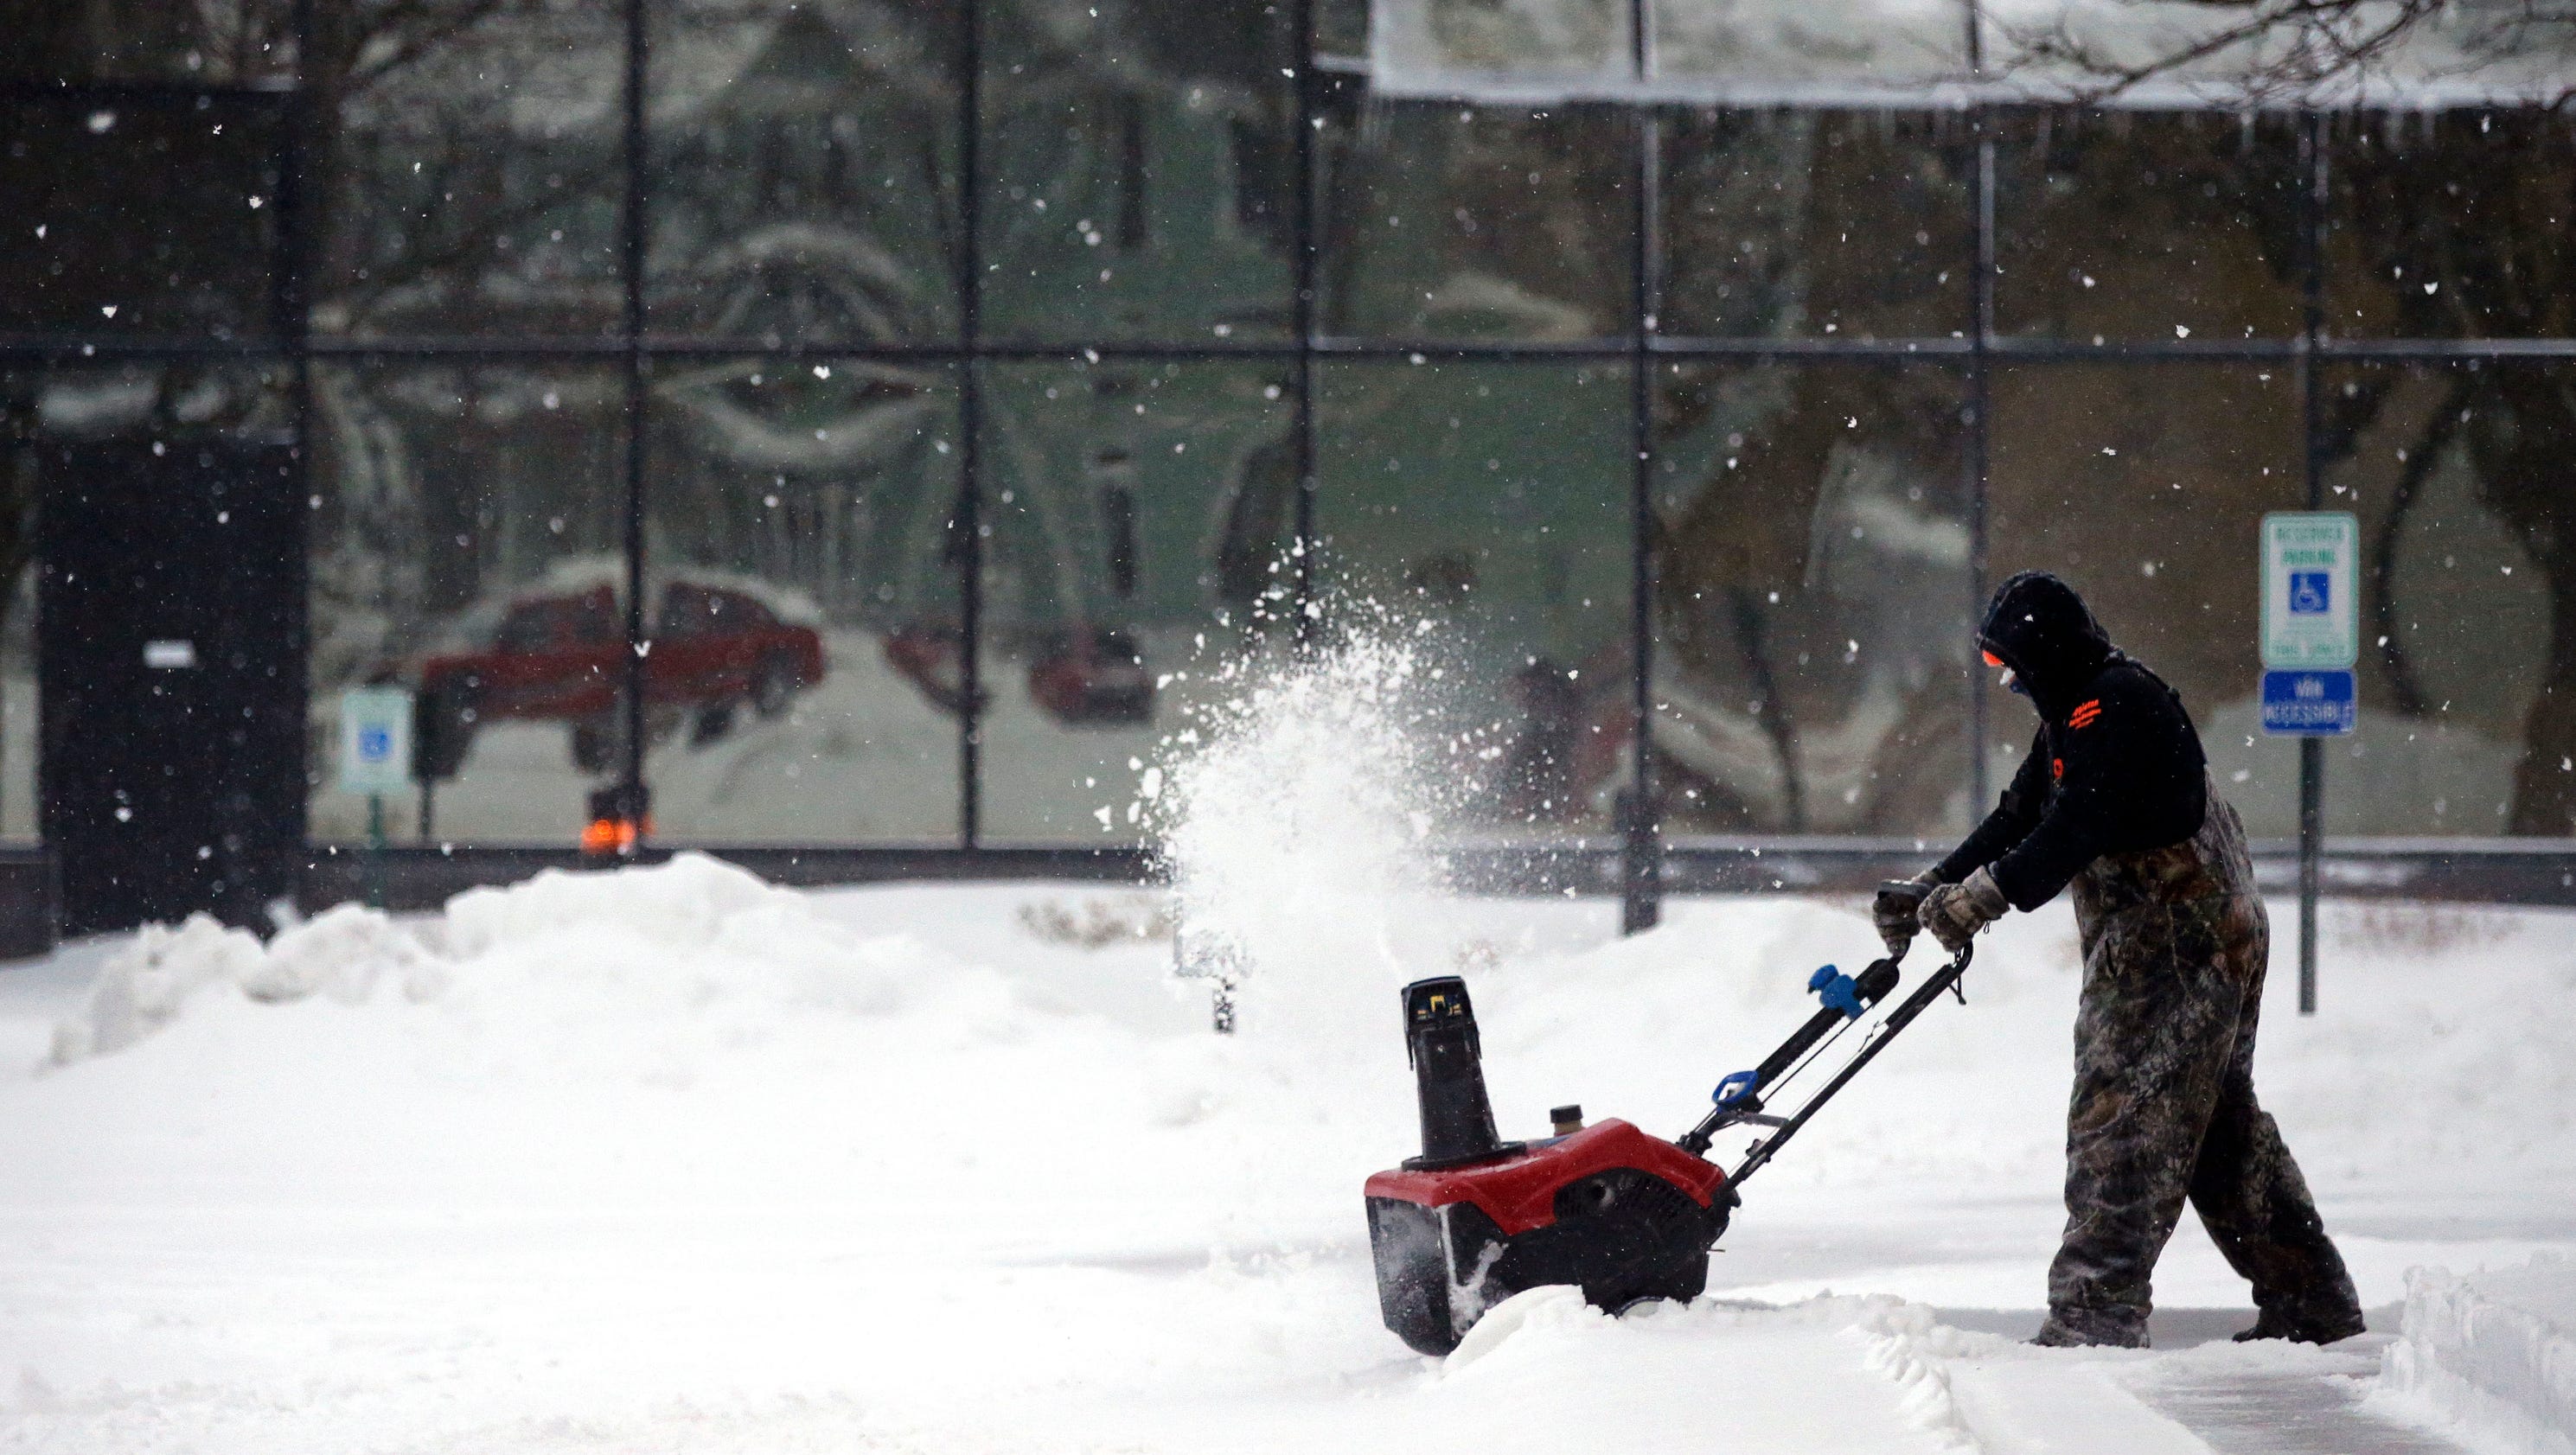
(933, 655)
(1083, 676)
(1092, 674)
(557, 658)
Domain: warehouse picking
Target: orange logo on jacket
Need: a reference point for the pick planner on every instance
(2085, 714)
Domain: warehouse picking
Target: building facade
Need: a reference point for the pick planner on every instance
(872, 422)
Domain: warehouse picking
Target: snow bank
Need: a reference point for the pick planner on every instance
(1863, 1373)
(2490, 1357)
(671, 942)
(520, 1174)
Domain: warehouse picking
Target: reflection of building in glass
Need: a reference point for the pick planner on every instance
(1849, 428)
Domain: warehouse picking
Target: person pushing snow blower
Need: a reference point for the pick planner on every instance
(2116, 800)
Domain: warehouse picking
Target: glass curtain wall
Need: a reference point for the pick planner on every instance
(910, 400)
(1811, 577)
(1463, 503)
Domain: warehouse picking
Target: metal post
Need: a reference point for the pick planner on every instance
(1641, 858)
(970, 429)
(2312, 754)
(1981, 293)
(2312, 774)
(375, 851)
(628, 806)
(294, 313)
(1303, 548)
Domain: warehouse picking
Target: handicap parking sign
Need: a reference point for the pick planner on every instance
(2309, 623)
(2310, 593)
(375, 740)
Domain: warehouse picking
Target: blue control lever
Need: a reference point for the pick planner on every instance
(1846, 998)
(1736, 1089)
(1837, 991)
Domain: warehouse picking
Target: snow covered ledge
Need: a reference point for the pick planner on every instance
(2490, 1356)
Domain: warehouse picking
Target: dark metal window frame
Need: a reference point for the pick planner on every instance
(1975, 351)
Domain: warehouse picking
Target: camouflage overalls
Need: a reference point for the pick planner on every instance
(2175, 942)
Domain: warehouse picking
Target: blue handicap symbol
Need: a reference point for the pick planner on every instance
(2308, 593)
(375, 741)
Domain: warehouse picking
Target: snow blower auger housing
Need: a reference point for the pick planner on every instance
(1623, 1215)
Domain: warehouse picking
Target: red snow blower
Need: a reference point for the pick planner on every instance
(1626, 1216)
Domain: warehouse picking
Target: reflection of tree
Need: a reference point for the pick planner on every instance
(2274, 49)
(413, 183)
(2522, 444)
(2415, 466)
(1488, 223)
(2464, 234)
(1822, 522)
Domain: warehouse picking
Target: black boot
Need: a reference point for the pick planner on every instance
(2304, 1326)
(2069, 1328)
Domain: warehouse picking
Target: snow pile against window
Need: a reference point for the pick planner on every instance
(562, 966)
(2492, 1353)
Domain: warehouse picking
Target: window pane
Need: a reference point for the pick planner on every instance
(138, 218)
(2453, 224)
(2144, 485)
(1492, 500)
(2147, 225)
(1471, 48)
(471, 183)
(2468, 564)
(22, 393)
(1780, 51)
(1135, 510)
(468, 545)
(1449, 221)
(210, 43)
(803, 171)
(803, 681)
(1812, 600)
(1139, 172)
(1790, 224)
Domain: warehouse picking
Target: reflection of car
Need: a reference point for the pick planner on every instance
(934, 657)
(558, 658)
(1092, 674)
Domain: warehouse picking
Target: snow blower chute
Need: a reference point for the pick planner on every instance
(1625, 1216)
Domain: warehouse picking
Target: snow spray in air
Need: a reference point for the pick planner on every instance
(1294, 819)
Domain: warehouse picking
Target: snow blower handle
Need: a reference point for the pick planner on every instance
(1846, 997)
(1946, 978)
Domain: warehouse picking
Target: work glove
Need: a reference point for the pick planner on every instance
(1955, 912)
(1894, 911)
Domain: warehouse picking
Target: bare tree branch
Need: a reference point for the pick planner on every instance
(2297, 49)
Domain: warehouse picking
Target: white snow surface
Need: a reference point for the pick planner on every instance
(2491, 1355)
(670, 1158)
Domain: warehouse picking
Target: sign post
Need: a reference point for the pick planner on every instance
(375, 759)
(2311, 639)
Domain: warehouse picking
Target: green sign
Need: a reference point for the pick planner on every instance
(2309, 615)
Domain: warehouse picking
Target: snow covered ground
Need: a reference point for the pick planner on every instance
(672, 1159)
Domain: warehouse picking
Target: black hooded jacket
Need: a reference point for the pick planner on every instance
(2116, 766)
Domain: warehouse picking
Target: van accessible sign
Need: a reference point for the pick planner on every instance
(2311, 627)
